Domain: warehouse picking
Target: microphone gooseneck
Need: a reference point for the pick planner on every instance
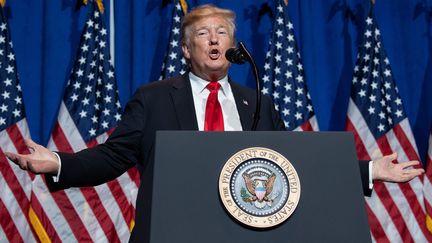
(239, 56)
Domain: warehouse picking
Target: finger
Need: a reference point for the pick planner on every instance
(409, 163)
(30, 144)
(413, 171)
(392, 156)
(22, 166)
(16, 159)
(11, 156)
(412, 174)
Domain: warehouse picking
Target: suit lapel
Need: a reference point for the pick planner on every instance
(183, 102)
(245, 106)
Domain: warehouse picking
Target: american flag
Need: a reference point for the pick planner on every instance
(428, 185)
(174, 62)
(88, 113)
(15, 183)
(284, 76)
(378, 120)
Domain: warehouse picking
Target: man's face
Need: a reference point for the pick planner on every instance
(206, 49)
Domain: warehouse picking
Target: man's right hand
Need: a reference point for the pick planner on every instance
(39, 161)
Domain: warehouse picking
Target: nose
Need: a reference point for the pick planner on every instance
(213, 38)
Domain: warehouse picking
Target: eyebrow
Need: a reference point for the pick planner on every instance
(208, 27)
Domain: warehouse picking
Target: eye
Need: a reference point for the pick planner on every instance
(201, 33)
(222, 32)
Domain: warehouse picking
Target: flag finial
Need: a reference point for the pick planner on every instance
(98, 2)
(184, 6)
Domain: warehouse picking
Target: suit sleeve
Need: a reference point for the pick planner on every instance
(364, 173)
(109, 160)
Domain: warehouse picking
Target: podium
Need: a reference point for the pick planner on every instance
(185, 205)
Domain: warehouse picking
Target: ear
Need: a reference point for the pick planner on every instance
(186, 52)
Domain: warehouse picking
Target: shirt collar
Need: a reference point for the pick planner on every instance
(200, 84)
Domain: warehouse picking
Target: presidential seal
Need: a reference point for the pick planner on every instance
(259, 187)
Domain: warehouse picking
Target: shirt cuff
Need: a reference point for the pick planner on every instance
(57, 177)
(370, 175)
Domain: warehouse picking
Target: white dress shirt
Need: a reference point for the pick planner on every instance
(226, 99)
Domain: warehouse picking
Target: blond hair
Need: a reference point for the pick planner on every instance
(204, 11)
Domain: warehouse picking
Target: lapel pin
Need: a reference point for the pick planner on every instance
(245, 102)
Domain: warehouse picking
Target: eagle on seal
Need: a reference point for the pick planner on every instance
(260, 189)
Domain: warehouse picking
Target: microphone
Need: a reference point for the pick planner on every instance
(239, 56)
(235, 55)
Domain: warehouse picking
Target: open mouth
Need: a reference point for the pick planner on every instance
(214, 54)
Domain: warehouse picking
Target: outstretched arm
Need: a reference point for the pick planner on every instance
(39, 161)
(385, 170)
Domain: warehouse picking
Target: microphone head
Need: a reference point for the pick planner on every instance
(235, 55)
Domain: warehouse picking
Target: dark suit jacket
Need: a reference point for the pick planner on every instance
(162, 105)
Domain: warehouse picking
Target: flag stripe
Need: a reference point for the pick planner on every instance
(3, 237)
(9, 175)
(306, 126)
(116, 189)
(11, 229)
(78, 228)
(18, 140)
(380, 235)
(60, 138)
(95, 202)
(405, 143)
(134, 175)
(68, 131)
(384, 221)
(360, 148)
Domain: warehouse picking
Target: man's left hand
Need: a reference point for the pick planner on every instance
(383, 169)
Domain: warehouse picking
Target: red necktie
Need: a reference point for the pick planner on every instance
(213, 115)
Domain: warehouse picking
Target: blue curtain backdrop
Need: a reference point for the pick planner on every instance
(46, 35)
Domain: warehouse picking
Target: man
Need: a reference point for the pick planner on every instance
(203, 99)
